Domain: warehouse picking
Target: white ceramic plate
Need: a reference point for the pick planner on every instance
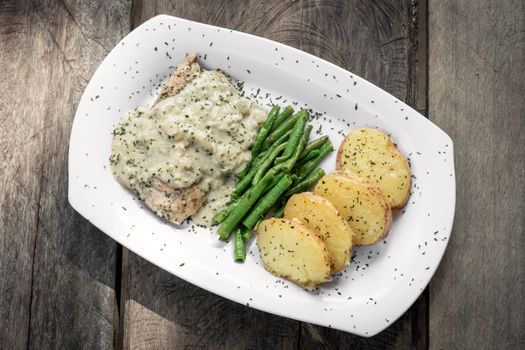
(381, 282)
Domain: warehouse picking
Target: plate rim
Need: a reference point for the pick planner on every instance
(75, 199)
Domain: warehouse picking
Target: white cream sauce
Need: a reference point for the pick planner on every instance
(200, 136)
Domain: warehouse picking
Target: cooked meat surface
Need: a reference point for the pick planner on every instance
(179, 154)
(175, 204)
(183, 74)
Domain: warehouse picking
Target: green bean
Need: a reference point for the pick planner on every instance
(309, 166)
(246, 181)
(223, 214)
(280, 212)
(249, 166)
(247, 234)
(239, 248)
(295, 138)
(283, 138)
(267, 162)
(265, 129)
(276, 180)
(305, 184)
(265, 203)
(244, 171)
(315, 144)
(310, 180)
(290, 163)
(312, 154)
(284, 127)
(243, 205)
(288, 111)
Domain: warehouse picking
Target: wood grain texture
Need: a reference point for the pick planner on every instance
(476, 94)
(57, 270)
(19, 187)
(165, 312)
(376, 41)
(373, 39)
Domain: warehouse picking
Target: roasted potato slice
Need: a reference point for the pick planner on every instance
(320, 215)
(291, 250)
(371, 154)
(361, 204)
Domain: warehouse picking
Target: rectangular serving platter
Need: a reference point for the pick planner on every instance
(381, 282)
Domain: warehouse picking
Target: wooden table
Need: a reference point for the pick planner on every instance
(64, 284)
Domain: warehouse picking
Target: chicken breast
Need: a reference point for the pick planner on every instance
(175, 204)
(179, 155)
(183, 74)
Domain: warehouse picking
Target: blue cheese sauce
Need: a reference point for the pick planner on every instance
(201, 136)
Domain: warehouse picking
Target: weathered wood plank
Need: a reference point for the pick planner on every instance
(163, 311)
(19, 187)
(57, 270)
(476, 94)
(79, 309)
(374, 40)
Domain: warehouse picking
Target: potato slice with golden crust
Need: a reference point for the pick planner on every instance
(291, 250)
(361, 204)
(371, 154)
(320, 215)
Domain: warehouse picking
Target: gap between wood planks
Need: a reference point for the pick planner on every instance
(420, 327)
(423, 302)
(122, 275)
